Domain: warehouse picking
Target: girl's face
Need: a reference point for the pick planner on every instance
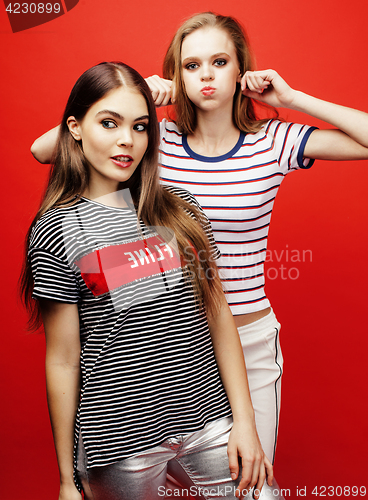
(114, 138)
(210, 68)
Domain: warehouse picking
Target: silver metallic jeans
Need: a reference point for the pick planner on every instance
(198, 461)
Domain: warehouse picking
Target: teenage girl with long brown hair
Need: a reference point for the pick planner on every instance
(123, 273)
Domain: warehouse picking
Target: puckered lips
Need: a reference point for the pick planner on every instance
(207, 91)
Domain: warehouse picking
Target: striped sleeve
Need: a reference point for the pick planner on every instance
(53, 278)
(290, 140)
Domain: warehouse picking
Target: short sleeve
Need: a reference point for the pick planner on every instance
(53, 278)
(290, 140)
(164, 128)
(170, 136)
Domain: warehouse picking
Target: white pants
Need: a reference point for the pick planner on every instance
(264, 362)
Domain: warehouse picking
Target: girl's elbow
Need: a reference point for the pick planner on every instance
(63, 358)
(37, 152)
(62, 364)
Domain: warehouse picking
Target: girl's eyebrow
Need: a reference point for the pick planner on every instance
(117, 115)
(214, 56)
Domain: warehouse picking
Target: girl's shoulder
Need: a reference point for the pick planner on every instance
(197, 211)
(278, 127)
(169, 129)
(49, 229)
(182, 193)
(270, 127)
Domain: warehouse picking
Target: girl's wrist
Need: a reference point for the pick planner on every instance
(67, 479)
(300, 101)
(294, 100)
(244, 417)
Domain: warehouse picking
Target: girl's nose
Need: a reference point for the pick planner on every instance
(207, 74)
(126, 138)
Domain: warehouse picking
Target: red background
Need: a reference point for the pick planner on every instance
(320, 47)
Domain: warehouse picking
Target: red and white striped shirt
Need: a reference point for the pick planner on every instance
(237, 192)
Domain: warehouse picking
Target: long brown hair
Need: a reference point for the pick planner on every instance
(69, 177)
(244, 114)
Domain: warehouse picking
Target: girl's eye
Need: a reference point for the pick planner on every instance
(108, 124)
(140, 127)
(191, 66)
(220, 62)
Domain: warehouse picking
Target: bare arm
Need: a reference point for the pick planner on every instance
(349, 141)
(43, 147)
(243, 441)
(61, 323)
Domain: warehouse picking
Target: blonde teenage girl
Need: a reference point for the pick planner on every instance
(234, 164)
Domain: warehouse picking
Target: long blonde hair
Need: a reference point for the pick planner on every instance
(156, 206)
(244, 115)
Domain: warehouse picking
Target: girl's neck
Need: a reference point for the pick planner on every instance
(215, 133)
(117, 199)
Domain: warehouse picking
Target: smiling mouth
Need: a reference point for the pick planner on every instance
(122, 161)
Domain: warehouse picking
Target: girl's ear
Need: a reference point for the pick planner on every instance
(74, 129)
(238, 78)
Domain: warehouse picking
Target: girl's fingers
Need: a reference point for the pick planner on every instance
(253, 95)
(254, 472)
(269, 471)
(260, 482)
(173, 92)
(160, 88)
(246, 479)
(266, 470)
(233, 463)
(252, 82)
(256, 81)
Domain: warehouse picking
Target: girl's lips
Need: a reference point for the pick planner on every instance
(122, 161)
(208, 90)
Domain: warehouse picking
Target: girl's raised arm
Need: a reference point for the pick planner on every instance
(61, 323)
(43, 147)
(243, 440)
(350, 139)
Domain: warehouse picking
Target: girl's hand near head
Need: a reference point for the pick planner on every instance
(244, 443)
(349, 139)
(163, 91)
(267, 86)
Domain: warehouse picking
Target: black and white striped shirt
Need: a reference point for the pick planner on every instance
(148, 368)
